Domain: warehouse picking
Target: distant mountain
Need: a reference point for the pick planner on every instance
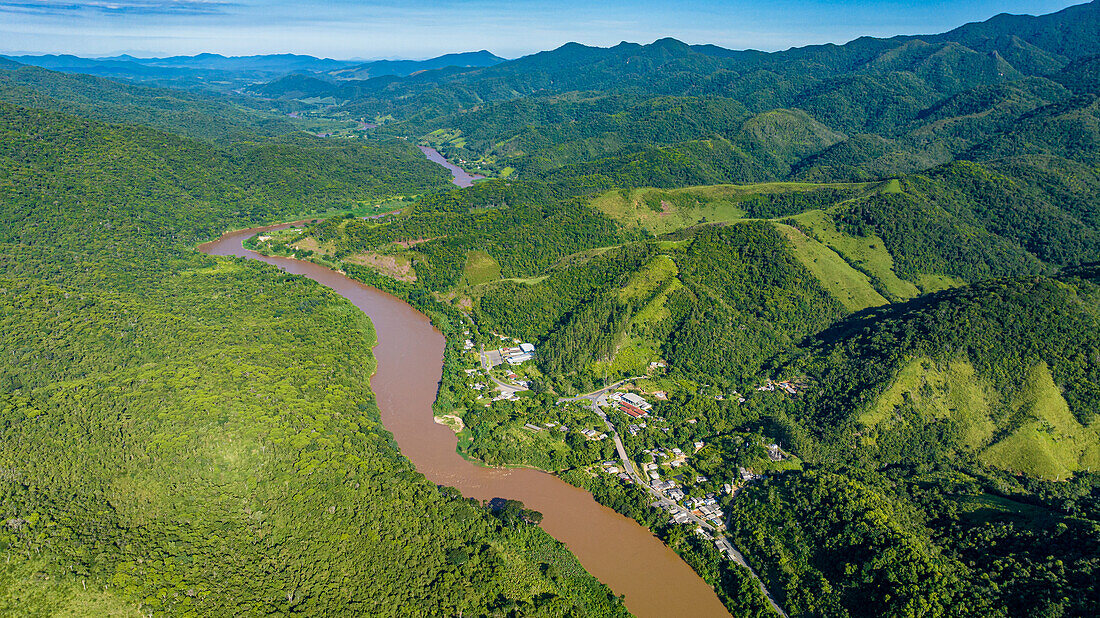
(404, 68)
(896, 105)
(132, 69)
(213, 118)
(225, 73)
(91, 66)
(273, 63)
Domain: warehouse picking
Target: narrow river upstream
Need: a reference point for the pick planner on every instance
(615, 549)
(459, 176)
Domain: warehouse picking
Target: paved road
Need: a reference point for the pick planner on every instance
(500, 383)
(628, 466)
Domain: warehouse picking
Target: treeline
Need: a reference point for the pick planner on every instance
(220, 120)
(156, 187)
(525, 227)
(184, 434)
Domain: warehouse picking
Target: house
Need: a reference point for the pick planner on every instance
(519, 354)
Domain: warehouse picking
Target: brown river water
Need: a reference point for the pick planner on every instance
(618, 551)
(459, 176)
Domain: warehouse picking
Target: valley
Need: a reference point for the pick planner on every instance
(647, 329)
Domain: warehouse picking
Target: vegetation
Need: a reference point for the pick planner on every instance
(172, 445)
(904, 231)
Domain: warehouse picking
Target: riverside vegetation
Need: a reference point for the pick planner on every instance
(908, 228)
(196, 436)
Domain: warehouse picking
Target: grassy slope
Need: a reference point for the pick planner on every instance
(480, 268)
(868, 254)
(1043, 439)
(952, 391)
(632, 211)
(1048, 441)
(851, 287)
(661, 211)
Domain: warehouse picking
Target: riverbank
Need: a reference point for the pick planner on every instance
(410, 355)
(734, 583)
(461, 177)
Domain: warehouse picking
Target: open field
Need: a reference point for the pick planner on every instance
(480, 268)
(865, 253)
(852, 288)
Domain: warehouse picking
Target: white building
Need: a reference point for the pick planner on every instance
(635, 400)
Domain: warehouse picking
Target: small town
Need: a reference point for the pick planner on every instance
(503, 373)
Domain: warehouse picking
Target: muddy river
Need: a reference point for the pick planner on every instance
(615, 549)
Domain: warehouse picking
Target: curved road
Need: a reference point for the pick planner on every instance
(593, 400)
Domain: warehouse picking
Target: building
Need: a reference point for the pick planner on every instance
(520, 354)
(631, 410)
(774, 452)
(636, 401)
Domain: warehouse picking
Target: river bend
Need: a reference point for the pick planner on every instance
(618, 551)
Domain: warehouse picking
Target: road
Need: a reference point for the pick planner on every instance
(593, 400)
(501, 384)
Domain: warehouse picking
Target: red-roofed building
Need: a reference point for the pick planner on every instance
(632, 410)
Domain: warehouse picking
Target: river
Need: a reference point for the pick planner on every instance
(616, 550)
(458, 175)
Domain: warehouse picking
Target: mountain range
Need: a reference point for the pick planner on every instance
(860, 282)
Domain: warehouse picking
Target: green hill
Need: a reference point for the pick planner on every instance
(173, 445)
(977, 364)
(216, 119)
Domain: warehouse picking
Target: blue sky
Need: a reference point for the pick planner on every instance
(424, 28)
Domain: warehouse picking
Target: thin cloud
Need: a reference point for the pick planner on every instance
(119, 7)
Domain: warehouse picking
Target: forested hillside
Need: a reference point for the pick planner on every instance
(948, 410)
(190, 435)
(869, 108)
(856, 285)
(216, 119)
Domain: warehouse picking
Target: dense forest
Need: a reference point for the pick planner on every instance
(858, 283)
(190, 435)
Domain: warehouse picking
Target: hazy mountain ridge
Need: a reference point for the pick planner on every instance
(916, 253)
